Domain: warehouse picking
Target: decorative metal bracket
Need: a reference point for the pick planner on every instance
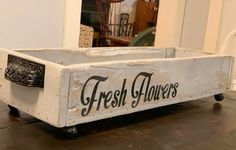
(24, 72)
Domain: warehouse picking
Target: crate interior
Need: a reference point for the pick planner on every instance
(80, 56)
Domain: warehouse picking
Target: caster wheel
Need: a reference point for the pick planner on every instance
(219, 97)
(71, 132)
(14, 111)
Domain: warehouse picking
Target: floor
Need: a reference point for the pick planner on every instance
(201, 124)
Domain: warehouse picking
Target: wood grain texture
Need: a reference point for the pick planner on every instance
(196, 78)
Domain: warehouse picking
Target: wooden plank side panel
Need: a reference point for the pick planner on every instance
(63, 98)
(103, 90)
(42, 103)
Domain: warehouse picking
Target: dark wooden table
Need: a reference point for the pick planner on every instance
(198, 125)
(119, 40)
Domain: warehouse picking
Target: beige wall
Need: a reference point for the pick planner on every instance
(169, 23)
(227, 22)
(194, 24)
(221, 22)
(31, 23)
(182, 23)
(72, 17)
(205, 24)
(39, 23)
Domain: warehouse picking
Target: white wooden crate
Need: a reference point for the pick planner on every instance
(84, 85)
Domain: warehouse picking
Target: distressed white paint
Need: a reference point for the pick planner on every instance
(221, 29)
(45, 103)
(197, 78)
(59, 103)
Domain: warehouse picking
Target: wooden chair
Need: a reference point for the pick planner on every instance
(122, 33)
(124, 28)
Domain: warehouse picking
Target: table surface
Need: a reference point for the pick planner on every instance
(201, 124)
(120, 40)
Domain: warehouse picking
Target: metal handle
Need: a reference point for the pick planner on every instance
(24, 72)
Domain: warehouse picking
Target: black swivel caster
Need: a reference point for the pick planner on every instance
(14, 111)
(219, 97)
(71, 132)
